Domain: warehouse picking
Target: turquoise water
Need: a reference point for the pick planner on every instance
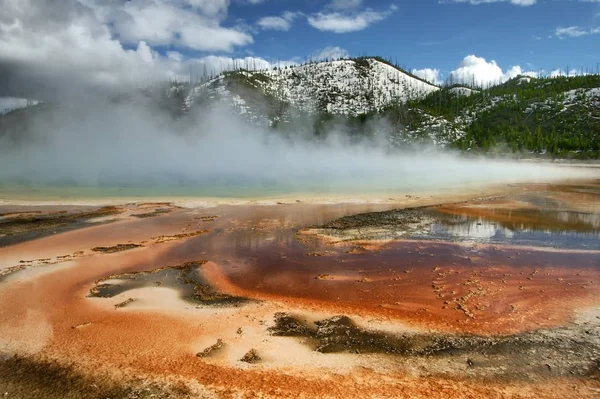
(233, 188)
(83, 192)
(49, 192)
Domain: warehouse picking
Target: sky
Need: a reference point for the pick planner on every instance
(47, 46)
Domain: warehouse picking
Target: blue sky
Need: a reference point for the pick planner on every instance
(430, 34)
(76, 44)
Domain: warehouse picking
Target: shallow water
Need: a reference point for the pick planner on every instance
(220, 189)
(531, 227)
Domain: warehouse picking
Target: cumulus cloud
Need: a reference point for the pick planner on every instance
(85, 44)
(346, 19)
(329, 53)
(429, 74)
(39, 45)
(195, 24)
(478, 71)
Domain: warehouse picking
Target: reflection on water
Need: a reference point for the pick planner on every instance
(522, 227)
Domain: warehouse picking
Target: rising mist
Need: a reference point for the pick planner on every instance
(137, 144)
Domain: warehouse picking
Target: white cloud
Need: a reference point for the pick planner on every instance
(345, 4)
(146, 53)
(531, 74)
(429, 74)
(42, 50)
(344, 22)
(207, 7)
(524, 3)
(274, 23)
(572, 31)
(561, 72)
(329, 53)
(214, 65)
(194, 24)
(282, 23)
(575, 31)
(68, 47)
(478, 71)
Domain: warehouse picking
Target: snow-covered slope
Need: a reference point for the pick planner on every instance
(348, 87)
(343, 87)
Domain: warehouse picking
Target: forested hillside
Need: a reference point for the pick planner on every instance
(555, 117)
(559, 116)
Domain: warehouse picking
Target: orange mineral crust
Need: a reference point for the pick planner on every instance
(484, 290)
(232, 302)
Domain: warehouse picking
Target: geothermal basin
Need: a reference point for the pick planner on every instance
(493, 292)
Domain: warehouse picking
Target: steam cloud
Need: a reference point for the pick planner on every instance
(213, 152)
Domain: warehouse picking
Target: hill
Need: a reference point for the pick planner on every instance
(526, 116)
(558, 116)
(341, 87)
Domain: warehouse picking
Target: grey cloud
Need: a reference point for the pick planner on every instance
(50, 48)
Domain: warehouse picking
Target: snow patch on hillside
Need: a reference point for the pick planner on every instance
(524, 79)
(438, 130)
(462, 91)
(582, 97)
(217, 93)
(589, 96)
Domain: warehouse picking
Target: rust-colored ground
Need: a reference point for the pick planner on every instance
(254, 252)
(449, 287)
